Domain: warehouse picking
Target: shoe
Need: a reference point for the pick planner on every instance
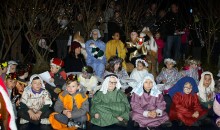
(45, 121)
(23, 121)
(166, 124)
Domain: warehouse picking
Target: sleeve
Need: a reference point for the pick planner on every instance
(216, 107)
(23, 102)
(89, 54)
(161, 105)
(58, 107)
(124, 100)
(124, 74)
(123, 50)
(136, 105)
(76, 113)
(197, 106)
(107, 50)
(95, 101)
(160, 77)
(47, 98)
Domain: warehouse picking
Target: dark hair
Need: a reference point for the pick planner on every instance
(111, 65)
(35, 78)
(88, 69)
(71, 78)
(141, 63)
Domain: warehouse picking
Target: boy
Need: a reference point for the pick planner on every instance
(71, 108)
(35, 103)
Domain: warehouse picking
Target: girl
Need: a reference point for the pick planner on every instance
(160, 44)
(139, 72)
(148, 104)
(206, 90)
(168, 76)
(186, 107)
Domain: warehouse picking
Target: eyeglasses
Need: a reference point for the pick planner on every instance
(112, 83)
(186, 88)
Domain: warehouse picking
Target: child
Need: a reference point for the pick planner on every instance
(148, 104)
(6, 109)
(3, 69)
(72, 106)
(160, 44)
(168, 76)
(206, 90)
(88, 80)
(58, 77)
(186, 107)
(11, 67)
(10, 82)
(23, 72)
(110, 105)
(95, 49)
(216, 108)
(116, 47)
(191, 69)
(139, 72)
(35, 103)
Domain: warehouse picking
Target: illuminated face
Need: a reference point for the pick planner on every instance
(116, 66)
(72, 87)
(54, 69)
(36, 85)
(3, 70)
(148, 84)
(11, 83)
(116, 36)
(12, 68)
(20, 87)
(157, 36)
(95, 35)
(207, 80)
(112, 83)
(169, 65)
(134, 36)
(187, 88)
(78, 51)
(140, 66)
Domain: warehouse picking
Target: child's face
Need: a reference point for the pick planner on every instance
(157, 36)
(10, 83)
(187, 88)
(148, 84)
(3, 70)
(116, 66)
(207, 80)
(12, 68)
(36, 85)
(169, 65)
(20, 87)
(134, 36)
(72, 87)
(116, 36)
(140, 66)
(54, 69)
(112, 84)
(95, 35)
(78, 51)
(194, 66)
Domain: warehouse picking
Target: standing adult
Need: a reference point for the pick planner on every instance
(173, 31)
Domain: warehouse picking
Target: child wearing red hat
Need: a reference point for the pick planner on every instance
(58, 77)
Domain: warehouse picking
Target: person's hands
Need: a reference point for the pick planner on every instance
(152, 114)
(195, 114)
(38, 114)
(218, 123)
(120, 118)
(32, 115)
(69, 114)
(51, 80)
(96, 115)
(57, 90)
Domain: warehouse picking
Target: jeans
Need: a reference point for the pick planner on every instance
(173, 44)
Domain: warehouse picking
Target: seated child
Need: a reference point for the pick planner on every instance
(11, 67)
(58, 77)
(216, 108)
(88, 80)
(110, 105)
(168, 76)
(191, 69)
(139, 72)
(3, 69)
(10, 82)
(148, 104)
(6, 110)
(35, 103)
(71, 108)
(186, 107)
(206, 90)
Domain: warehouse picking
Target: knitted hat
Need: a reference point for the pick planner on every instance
(56, 62)
(9, 108)
(75, 45)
